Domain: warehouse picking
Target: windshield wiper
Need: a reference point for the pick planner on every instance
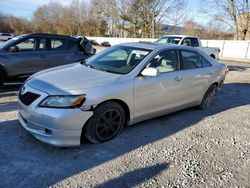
(101, 69)
(97, 68)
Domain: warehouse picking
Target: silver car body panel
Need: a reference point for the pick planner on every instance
(145, 97)
(63, 126)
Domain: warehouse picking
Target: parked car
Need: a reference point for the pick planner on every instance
(6, 36)
(27, 54)
(120, 86)
(187, 40)
(106, 43)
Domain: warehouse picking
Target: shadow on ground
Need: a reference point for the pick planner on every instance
(135, 177)
(24, 160)
(9, 90)
(8, 106)
(237, 68)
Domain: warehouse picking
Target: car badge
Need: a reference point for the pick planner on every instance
(23, 90)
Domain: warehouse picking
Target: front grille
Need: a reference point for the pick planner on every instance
(28, 98)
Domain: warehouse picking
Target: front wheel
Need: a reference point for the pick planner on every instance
(208, 97)
(106, 123)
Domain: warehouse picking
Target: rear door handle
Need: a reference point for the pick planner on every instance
(178, 78)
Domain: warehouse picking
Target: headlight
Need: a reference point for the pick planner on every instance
(63, 101)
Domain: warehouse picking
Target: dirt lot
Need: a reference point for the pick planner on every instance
(191, 148)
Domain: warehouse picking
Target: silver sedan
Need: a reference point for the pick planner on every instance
(120, 86)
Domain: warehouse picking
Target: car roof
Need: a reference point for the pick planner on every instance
(155, 46)
(182, 36)
(144, 45)
(51, 35)
(161, 46)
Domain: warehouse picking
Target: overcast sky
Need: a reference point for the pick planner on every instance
(25, 8)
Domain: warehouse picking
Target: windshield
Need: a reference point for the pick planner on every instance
(169, 40)
(118, 59)
(10, 42)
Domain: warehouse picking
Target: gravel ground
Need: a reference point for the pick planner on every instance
(191, 148)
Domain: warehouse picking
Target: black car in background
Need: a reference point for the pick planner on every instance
(27, 54)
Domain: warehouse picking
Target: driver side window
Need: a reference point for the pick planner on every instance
(165, 61)
(27, 45)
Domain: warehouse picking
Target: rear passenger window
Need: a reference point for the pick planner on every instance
(204, 62)
(190, 60)
(59, 44)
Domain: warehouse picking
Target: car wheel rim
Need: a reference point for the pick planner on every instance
(108, 124)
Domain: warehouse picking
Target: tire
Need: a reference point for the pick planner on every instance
(106, 123)
(1, 79)
(208, 98)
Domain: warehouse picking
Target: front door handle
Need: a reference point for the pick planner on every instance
(178, 78)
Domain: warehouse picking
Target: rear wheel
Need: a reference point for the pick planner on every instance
(209, 97)
(106, 123)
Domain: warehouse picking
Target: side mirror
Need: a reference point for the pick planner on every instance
(13, 49)
(152, 72)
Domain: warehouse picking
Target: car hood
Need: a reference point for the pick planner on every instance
(70, 79)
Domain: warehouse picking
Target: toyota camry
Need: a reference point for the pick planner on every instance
(120, 86)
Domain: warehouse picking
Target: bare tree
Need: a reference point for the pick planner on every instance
(117, 18)
(48, 18)
(12, 24)
(233, 13)
(107, 11)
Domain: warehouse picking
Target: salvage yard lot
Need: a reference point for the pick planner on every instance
(191, 148)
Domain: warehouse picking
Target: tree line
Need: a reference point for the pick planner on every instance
(133, 18)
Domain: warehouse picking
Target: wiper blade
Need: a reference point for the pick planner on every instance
(100, 68)
(97, 68)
